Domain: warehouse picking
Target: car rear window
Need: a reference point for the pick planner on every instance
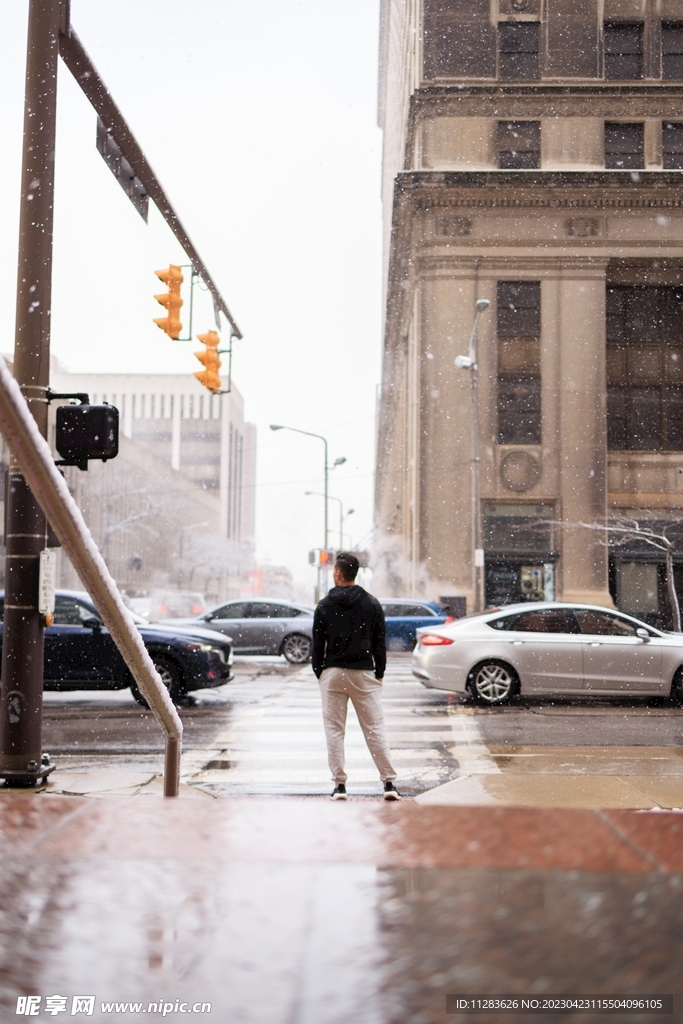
(406, 611)
(604, 624)
(236, 610)
(273, 611)
(548, 620)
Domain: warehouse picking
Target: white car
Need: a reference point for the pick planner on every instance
(550, 648)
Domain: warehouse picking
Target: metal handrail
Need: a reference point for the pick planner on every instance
(36, 462)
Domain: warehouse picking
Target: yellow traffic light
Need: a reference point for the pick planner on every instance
(210, 377)
(172, 278)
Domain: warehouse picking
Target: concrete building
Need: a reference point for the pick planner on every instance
(532, 157)
(176, 508)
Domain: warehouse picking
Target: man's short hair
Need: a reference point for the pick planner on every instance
(348, 565)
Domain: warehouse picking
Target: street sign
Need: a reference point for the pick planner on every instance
(46, 581)
(122, 170)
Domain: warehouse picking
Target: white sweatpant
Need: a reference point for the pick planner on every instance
(337, 685)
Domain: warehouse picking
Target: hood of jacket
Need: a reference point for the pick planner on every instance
(346, 597)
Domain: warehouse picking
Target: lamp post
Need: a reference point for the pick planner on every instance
(342, 517)
(337, 462)
(469, 362)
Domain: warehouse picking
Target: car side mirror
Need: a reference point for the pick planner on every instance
(643, 634)
(92, 622)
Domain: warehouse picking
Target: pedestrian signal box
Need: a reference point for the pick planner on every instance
(86, 432)
(327, 558)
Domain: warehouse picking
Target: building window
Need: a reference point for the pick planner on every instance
(625, 145)
(645, 368)
(672, 145)
(519, 362)
(518, 49)
(672, 50)
(519, 144)
(623, 50)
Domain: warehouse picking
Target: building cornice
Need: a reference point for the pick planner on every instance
(418, 192)
(592, 99)
(597, 189)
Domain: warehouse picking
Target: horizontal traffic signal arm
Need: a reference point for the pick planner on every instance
(78, 62)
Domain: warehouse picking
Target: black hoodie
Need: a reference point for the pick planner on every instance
(349, 632)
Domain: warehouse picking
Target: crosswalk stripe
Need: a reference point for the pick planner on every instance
(278, 745)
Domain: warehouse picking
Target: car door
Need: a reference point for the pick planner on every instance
(232, 619)
(266, 627)
(615, 658)
(78, 654)
(546, 647)
(402, 619)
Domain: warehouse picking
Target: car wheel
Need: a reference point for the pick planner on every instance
(170, 676)
(297, 649)
(677, 687)
(493, 682)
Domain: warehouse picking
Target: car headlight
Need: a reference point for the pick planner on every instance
(193, 646)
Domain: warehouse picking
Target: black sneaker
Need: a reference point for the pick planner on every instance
(339, 792)
(390, 791)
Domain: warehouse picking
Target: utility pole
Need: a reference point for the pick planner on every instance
(21, 692)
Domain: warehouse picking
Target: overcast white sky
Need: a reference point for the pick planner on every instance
(260, 120)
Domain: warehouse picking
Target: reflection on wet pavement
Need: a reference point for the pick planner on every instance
(309, 912)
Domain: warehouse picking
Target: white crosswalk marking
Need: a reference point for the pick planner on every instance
(277, 746)
(470, 751)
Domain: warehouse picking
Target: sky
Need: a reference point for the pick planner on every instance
(259, 119)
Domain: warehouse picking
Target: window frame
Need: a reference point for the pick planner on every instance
(505, 56)
(519, 396)
(637, 161)
(505, 131)
(609, 31)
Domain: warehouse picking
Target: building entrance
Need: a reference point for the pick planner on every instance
(510, 582)
(519, 563)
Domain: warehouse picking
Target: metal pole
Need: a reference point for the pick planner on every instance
(32, 453)
(476, 511)
(21, 691)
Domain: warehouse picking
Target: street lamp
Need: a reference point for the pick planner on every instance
(337, 462)
(469, 362)
(342, 517)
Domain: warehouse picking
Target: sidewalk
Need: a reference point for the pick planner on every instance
(304, 911)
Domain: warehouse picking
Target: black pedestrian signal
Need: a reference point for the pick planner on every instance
(86, 432)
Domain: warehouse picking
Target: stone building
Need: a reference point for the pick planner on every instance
(532, 157)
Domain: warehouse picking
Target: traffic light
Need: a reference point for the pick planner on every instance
(172, 278)
(327, 558)
(210, 377)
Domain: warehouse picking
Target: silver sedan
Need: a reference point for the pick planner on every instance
(259, 626)
(549, 648)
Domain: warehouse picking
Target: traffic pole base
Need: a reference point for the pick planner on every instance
(21, 778)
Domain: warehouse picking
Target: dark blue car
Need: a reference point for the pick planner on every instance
(404, 616)
(81, 655)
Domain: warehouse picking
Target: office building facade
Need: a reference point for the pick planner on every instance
(532, 157)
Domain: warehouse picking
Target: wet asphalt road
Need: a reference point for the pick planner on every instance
(262, 733)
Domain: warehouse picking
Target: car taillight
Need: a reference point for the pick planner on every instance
(433, 640)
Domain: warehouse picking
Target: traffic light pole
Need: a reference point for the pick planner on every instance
(21, 689)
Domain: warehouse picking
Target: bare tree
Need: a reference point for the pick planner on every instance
(622, 529)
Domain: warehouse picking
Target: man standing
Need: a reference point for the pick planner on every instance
(349, 658)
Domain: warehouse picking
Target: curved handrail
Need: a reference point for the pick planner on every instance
(35, 460)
